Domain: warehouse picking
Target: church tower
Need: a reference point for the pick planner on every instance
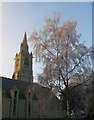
(23, 63)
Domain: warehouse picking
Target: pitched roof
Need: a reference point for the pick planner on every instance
(39, 91)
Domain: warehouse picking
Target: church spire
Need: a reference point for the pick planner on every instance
(24, 45)
(23, 63)
(25, 38)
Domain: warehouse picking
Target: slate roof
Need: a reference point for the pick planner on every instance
(39, 91)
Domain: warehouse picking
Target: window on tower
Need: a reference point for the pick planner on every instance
(26, 61)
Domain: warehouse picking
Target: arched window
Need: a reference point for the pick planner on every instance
(28, 103)
(14, 102)
(32, 107)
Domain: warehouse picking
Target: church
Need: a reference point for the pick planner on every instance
(20, 97)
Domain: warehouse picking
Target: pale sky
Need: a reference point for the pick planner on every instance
(19, 17)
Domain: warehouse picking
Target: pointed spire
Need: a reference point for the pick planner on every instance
(24, 45)
(25, 38)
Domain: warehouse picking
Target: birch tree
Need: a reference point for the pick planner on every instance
(57, 46)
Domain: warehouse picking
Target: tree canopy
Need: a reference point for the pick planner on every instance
(67, 63)
(57, 46)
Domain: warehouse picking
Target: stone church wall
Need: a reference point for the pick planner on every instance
(6, 107)
(22, 108)
(35, 109)
(43, 102)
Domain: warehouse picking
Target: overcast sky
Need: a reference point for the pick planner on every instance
(26, 16)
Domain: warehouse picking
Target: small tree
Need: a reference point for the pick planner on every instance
(57, 46)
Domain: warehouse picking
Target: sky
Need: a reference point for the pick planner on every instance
(18, 17)
(46, 0)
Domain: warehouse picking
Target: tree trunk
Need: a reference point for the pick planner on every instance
(68, 109)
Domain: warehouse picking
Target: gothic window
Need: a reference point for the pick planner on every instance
(26, 61)
(15, 103)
